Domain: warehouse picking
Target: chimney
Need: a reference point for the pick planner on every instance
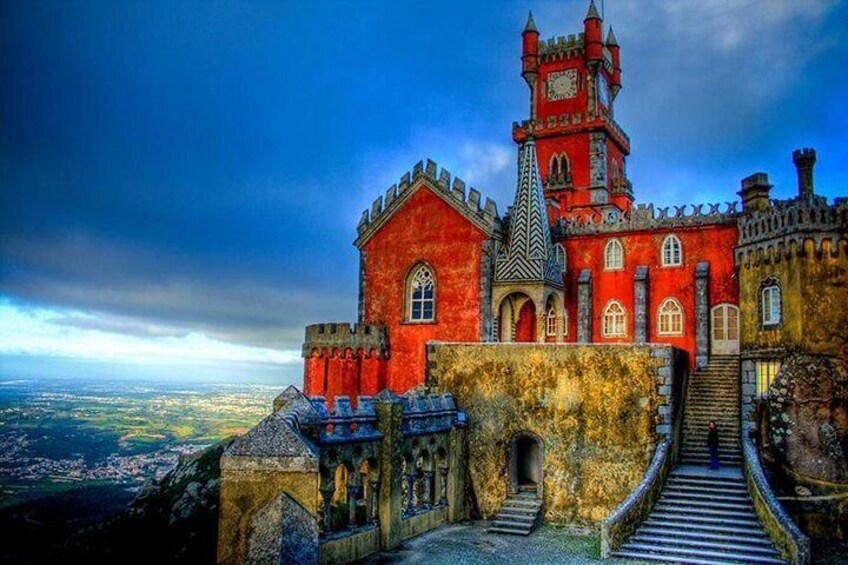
(755, 192)
(804, 160)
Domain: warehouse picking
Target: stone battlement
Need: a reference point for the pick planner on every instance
(561, 47)
(567, 121)
(343, 336)
(452, 189)
(427, 414)
(782, 230)
(645, 217)
(343, 423)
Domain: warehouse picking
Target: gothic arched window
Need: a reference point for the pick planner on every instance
(614, 320)
(672, 252)
(613, 256)
(421, 295)
(559, 171)
(559, 255)
(670, 317)
(551, 322)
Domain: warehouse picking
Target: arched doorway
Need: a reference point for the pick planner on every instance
(724, 332)
(517, 319)
(525, 456)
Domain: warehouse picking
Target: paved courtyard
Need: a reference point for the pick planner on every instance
(468, 543)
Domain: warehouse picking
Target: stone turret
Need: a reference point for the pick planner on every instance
(804, 160)
(755, 192)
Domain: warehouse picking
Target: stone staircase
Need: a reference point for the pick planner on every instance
(702, 517)
(713, 394)
(519, 513)
(705, 516)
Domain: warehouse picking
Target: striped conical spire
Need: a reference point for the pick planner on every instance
(528, 254)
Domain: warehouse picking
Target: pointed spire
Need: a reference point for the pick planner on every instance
(612, 41)
(528, 255)
(531, 25)
(592, 14)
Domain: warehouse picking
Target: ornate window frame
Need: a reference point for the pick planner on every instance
(614, 323)
(614, 255)
(551, 322)
(671, 251)
(415, 305)
(669, 311)
(561, 257)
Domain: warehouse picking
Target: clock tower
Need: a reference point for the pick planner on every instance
(581, 150)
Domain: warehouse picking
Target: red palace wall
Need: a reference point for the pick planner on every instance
(425, 229)
(713, 244)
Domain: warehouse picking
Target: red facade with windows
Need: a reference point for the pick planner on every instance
(426, 221)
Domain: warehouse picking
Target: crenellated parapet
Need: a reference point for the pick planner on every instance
(562, 47)
(782, 229)
(428, 414)
(568, 123)
(646, 217)
(343, 336)
(342, 423)
(452, 190)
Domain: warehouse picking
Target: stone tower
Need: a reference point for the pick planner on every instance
(573, 84)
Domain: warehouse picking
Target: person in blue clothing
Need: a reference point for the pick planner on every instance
(712, 444)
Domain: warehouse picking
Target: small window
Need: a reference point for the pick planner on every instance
(613, 256)
(672, 252)
(615, 320)
(766, 372)
(422, 295)
(564, 322)
(670, 318)
(771, 305)
(551, 322)
(559, 255)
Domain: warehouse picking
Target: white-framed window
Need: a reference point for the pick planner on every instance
(421, 295)
(613, 256)
(614, 320)
(672, 251)
(561, 259)
(766, 372)
(564, 322)
(551, 322)
(770, 303)
(670, 317)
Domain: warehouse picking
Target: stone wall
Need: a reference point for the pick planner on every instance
(598, 409)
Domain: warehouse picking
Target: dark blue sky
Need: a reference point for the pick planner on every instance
(181, 181)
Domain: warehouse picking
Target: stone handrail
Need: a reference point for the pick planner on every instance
(624, 520)
(793, 545)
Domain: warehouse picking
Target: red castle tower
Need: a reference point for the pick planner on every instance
(573, 85)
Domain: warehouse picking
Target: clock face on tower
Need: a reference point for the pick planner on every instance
(562, 84)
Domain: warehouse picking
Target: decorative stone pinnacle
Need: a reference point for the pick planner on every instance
(531, 25)
(592, 14)
(612, 41)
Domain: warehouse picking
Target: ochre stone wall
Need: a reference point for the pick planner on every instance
(245, 492)
(594, 408)
(814, 294)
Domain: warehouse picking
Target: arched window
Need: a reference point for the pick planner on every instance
(613, 256)
(672, 251)
(770, 306)
(559, 255)
(615, 320)
(670, 318)
(564, 322)
(421, 295)
(551, 322)
(558, 173)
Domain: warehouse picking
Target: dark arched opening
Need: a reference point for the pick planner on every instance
(526, 455)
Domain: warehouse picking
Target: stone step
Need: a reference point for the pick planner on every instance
(523, 503)
(709, 556)
(739, 497)
(518, 511)
(509, 531)
(642, 556)
(704, 529)
(696, 511)
(704, 460)
(686, 542)
(515, 524)
(673, 488)
(733, 536)
(711, 504)
(693, 473)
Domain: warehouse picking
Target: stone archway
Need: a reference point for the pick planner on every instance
(517, 320)
(525, 461)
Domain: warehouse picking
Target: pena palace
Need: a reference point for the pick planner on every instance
(573, 260)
